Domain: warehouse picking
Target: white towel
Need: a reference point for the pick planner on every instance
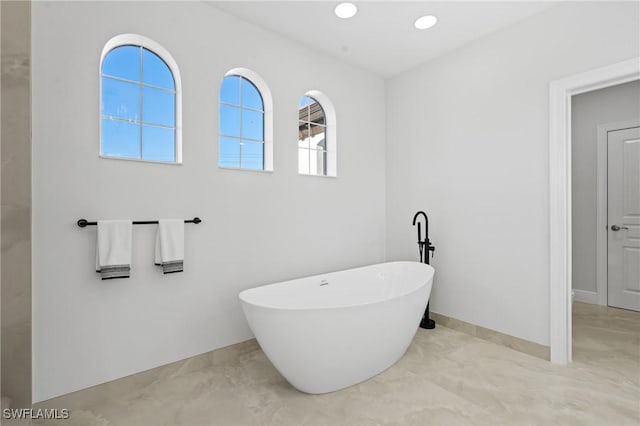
(170, 245)
(113, 249)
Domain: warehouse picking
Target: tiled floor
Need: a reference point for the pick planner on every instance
(446, 378)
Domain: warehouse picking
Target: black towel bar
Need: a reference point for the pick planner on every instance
(84, 222)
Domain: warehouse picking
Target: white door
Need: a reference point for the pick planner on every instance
(623, 216)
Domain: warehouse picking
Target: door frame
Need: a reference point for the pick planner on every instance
(602, 246)
(560, 92)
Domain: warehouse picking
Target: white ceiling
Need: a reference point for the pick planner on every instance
(381, 37)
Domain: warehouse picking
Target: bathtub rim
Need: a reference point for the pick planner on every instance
(324, 308)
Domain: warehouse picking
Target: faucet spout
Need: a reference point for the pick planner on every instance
(415, 217)
(426, 225)
(424, 245)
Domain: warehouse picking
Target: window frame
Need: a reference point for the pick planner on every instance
(267, 116)
(330, 134)
(157, 49)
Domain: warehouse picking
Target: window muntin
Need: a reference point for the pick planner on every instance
(138, 105)
(312, 134)
(241, 124)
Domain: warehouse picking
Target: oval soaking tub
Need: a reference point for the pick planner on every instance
(331, 331)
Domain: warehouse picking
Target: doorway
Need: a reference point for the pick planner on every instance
(605, 188)
(605, 213)
(560, 244)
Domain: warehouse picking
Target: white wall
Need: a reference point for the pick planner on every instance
(258, 227)
(467, 141)
(588, 111)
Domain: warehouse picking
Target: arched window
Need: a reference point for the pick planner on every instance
(316, 135)
(139, 101)
(245, 126)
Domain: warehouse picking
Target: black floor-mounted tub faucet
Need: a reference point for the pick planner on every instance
(424, 247)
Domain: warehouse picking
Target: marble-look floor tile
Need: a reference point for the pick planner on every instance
(447, 377)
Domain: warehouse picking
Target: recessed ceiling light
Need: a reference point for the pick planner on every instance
(345, 10)
(425, 22)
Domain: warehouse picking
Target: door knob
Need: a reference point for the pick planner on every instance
(617, 228)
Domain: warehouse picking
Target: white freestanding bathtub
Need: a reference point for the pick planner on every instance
(330, 331)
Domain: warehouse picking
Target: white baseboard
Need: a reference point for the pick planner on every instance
(585, 296)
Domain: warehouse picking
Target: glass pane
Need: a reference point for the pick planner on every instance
(230, 90)
(252, 125)
(252, 155)
(317, 136)
(120, 139)
(306, 100)
(229, 152)
(158, 144)
(158, 106)
(303, 113)
(251, 96)
(319, 144)
(120, 99)
(303, 161)
(155, 71)
(317, 162)
(316, 113)
(303, 133)
(123, 62)
(229, 120)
